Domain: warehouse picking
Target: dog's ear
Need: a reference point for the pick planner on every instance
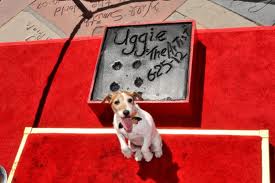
(136, 96)
(107, 99)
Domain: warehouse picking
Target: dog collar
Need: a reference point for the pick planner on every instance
(136, 119)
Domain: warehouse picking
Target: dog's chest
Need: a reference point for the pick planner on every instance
(137, 133)
(134, 134)
(135, 138)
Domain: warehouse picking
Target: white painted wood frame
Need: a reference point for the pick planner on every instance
(264, 134)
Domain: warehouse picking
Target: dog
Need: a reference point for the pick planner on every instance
(133, 123)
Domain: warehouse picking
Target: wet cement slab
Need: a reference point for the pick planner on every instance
(150, 59)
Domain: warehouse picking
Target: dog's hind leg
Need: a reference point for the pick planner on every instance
(157, 146)
(132, 146)
(136, 149)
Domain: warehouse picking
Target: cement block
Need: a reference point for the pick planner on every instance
(261, 12)
(176, 16)
(150, 59)
(211, 15)
(26, 27)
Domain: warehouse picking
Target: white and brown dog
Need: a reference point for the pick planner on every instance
(136, 125)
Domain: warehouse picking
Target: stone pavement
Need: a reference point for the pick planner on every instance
(28, 20)
(262, 12)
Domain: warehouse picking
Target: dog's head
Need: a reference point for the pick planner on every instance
(123, 103)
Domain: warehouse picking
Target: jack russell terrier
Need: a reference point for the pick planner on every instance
(132, 123)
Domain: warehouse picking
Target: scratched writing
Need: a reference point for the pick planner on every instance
(120, 14)
(154, 45)
(136, 10)
(35, 33)
(115, 15)
(60, 11)
(60, 4)
(143, 9)
(71, 9)
(253, 6)
(44, 4)
(261, 12)
(142, 39)
(101, 4)
(152, 59)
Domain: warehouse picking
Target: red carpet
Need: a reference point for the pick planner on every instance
(239, 84)
(97, 158)
(24, 69)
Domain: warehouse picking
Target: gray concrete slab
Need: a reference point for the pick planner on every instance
(211, 15)
(261, 12)
(176, 16)
(27, 27)
(66, 15)
(58, 18)
(9, 8)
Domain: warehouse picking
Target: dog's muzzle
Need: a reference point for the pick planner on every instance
(127, 123)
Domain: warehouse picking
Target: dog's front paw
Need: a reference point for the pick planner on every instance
(148, 156)
(126, 152)
(158, 154)
(138, 156)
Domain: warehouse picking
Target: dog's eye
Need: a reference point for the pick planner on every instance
(116, 102)
(130, 100)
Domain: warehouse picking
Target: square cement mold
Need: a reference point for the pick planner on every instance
(150, 59)
(154, 60)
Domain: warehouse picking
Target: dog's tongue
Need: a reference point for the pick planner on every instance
(127, 124)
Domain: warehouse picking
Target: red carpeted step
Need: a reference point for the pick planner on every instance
(97, 158)
(24, 70)
(238, 84)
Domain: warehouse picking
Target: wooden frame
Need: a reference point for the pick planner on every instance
(264, 134)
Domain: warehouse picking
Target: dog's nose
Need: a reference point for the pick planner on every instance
(126, 113)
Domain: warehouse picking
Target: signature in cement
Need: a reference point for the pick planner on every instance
(255, 7)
